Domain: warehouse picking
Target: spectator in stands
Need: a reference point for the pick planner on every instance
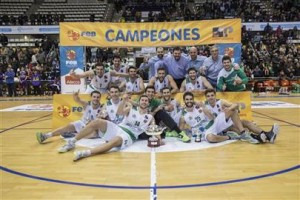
(3, 40)
(36, 82)
(10, 82)
(1, 82)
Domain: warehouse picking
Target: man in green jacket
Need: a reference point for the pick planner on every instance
(230, 78)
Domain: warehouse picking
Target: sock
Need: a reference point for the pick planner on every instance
(48, 135)
(86, 153)
(72, 140)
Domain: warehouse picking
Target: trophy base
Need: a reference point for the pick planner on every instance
(153, 143)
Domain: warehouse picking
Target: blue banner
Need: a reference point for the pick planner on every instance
(71, 58)
(233, 50)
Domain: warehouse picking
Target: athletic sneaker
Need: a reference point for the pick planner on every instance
(246, 137)
(67, 147)
(78, 155)
(40, 137)
(262, 138)
(171, 134)
(233, 135)
(272, 134)
(183, 137)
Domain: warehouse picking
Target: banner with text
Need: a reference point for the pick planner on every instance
(187, 33)
(66, 110)
(71, 58)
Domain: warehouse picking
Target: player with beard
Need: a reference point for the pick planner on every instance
(111, 105)
(100, 79)
(170, 105)
(92, 110)
(217, 105)
(193, 83)
(150, 64)
(134, 84)
(162, 81)
(136, 121)
(199, 116)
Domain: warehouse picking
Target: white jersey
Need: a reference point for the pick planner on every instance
(160, 85)
(133, 86)
(101, 83)
(217, 109)
(196, 118)
(135, 123)
(198, 85)
(116, 79)
(90, 114)
(112, 109)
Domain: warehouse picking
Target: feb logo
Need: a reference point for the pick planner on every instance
(63, 111)
(71, 55)
(73, 35)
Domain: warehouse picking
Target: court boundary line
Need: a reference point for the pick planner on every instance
(149, 187)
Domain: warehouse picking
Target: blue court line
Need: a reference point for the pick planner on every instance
(148, 187)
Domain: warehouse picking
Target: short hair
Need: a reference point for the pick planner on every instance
(143, 95)
(95, 92)
(116, 56)
(161, 68)
(164, 88)
(226, 58)
(159, 48)
(176, 49)
(99, 64)
(149, 87)
(209, 90)
(192, 69)
(115, 87)
(131, 67)
(188, 94)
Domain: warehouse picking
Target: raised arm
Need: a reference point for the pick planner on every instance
(78, 100)
(124, 106)
(114, 73)
(83, 75)
(206, 83)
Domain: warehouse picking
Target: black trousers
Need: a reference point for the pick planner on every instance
(161, 116)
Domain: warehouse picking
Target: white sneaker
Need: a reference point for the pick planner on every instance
(246, 137)
(78, 155)
(67, 147)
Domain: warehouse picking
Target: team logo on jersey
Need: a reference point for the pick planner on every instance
(190, 117)
(63, 111)
(134, 116)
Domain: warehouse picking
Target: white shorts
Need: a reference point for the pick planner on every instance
(220, 124)
(114, 130)
(79, 125)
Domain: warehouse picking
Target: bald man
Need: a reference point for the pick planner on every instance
(195, 60)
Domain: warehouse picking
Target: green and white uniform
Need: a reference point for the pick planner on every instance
(176, 112)
(130, 128)
(111, 109)
(158, 85)
(99, 84)
(89, 114)
(228, 77)
(133, 86)
(198, 85)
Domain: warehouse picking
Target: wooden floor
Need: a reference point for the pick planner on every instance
(234, 171)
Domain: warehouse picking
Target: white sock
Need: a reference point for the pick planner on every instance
(72, 140)
(86, 153)
(48, 135)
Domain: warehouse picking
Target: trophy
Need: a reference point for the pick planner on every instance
(154, 130)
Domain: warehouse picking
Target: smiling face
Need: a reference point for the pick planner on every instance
(211, 98)
(95, 98)
(192, 74)
(227, 64)
(189, 101)
(144, 102)
(114, 93)
(166, 94)
(160, 52)
(193, 53)
(100, 71)
(177, 54)
(150, 93)
(161, 74)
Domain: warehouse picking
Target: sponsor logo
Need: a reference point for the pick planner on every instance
(88, 34)
(221, 31)
(63, 111)
(69, 80)
(71, 55)
(73, 35)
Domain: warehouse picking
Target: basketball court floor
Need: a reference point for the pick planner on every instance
(234, 170)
